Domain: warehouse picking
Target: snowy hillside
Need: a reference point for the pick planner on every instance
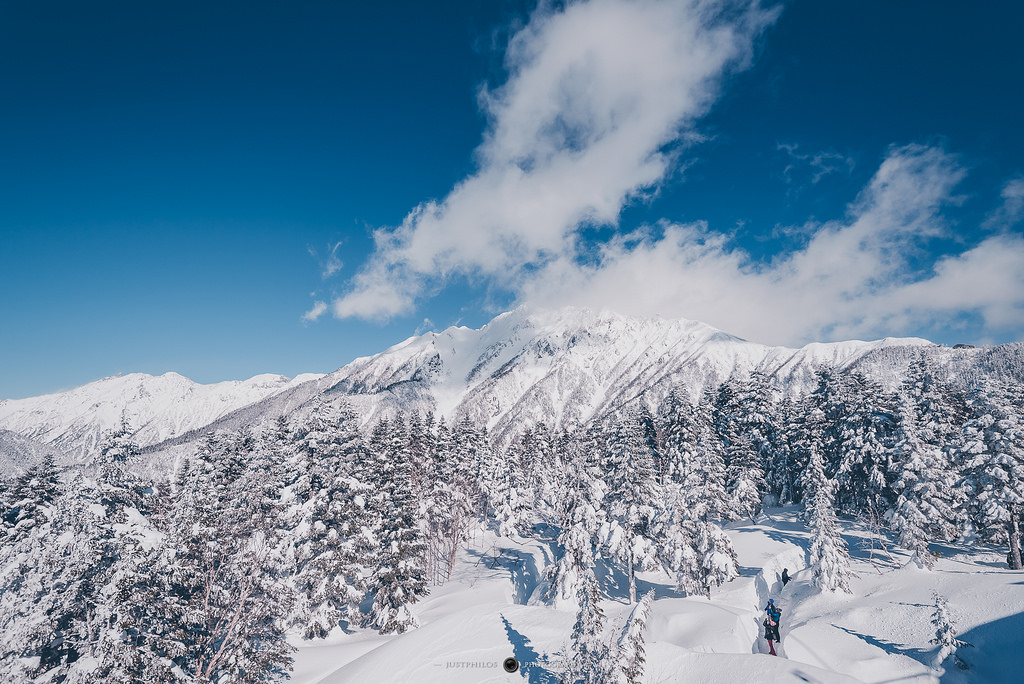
(157, 407)
(561, 367)
(570, 365)
(880, 633)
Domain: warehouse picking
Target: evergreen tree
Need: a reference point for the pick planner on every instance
(993, 455)
(850, 423)
(104, 629)
(747, 433)
(445, 521)
(704, 474)
(28, 498)
(34, 611)
(419, 457)
(491, 478)
(802, 423)
(454, 500)
(398, 578)
(631, 498)
(576, 546)
(654, 439)
(830, 559)
(512, 511)
(782, 470)
(923, 505)
(543, 465)
(945, 635)
(680, 434)
(332, 534)
(588, 653)
(226, 598)
(628, 664)
(117, 485)
(87, 620)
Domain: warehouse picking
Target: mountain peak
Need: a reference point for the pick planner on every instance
(529, 365)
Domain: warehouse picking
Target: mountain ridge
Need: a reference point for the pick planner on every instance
(559, 366)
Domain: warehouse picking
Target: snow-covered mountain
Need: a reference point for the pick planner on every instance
(158, 407)
(523, 367)
(573, 364)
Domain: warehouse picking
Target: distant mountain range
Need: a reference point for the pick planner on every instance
(563, 366)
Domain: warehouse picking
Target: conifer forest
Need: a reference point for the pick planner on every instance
(315, 521)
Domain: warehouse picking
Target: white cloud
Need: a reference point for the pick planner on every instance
(1012, 209)
(318, 310)
(852, 279)
(595, 93)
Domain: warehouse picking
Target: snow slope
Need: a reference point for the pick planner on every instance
(157, 407)
(879, 634)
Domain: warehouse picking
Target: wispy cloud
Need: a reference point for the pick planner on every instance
(817, 165)
(597, 94)
(854, 277)
(318, 310)
(426, 326)
(330, 264)
(333, 263)
(1012, 209)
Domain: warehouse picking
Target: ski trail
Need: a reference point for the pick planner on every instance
(768, 584)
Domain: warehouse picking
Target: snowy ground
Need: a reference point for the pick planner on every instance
(880, 634)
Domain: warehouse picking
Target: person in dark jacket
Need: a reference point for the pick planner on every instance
(785, 576)
(771, 625)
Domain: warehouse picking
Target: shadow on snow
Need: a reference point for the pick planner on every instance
(532, 664)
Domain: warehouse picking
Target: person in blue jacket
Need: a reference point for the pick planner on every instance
(771, 624)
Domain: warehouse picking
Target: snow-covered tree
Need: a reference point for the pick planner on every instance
(993, 457)
(34, 612)
(398, 575)
(575, 560)
(631, 499)
(79, 610)
(704, 474)
(27, 499)
(117, 485)
(330, 530)
(680, 434)
(226, 595)
(628, 662)
(783, 470)
(690, 543)
(743, 422)
(945, 635)
(923, 489)
(588, 657)
(829, 556)
(863, 448)
(576, 541)
(453, 503)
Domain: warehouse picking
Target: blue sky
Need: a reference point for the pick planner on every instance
(223, 189)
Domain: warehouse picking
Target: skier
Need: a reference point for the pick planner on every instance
(785, 576)
(771, 625)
